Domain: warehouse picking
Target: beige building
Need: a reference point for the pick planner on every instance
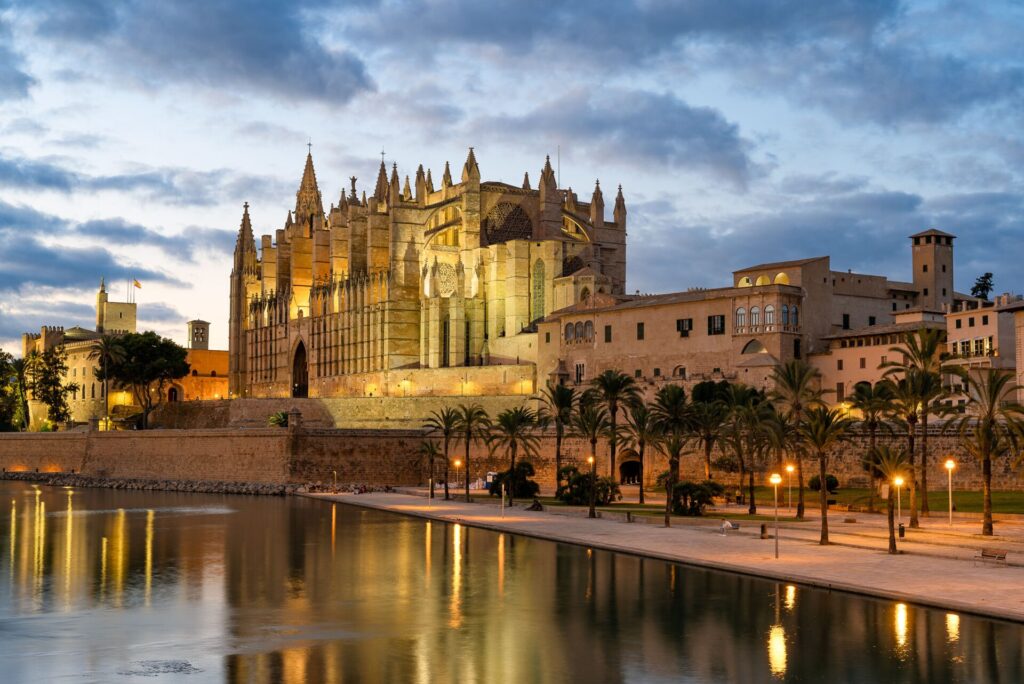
(416, 289)
(982, 334)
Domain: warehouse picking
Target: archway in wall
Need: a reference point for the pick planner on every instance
(300, 372)
(629, 472)
(172, 395)
(754, 347)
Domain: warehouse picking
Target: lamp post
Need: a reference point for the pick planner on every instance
(950, 465)
(593, 486)
(458, 464)
(899, 499)
(789, 471)
(776, 479)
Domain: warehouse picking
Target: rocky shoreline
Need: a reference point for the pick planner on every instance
(193, 486)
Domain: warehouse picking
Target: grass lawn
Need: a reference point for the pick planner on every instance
(938, 501)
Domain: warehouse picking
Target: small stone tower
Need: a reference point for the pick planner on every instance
(198, 334)
(933, 269)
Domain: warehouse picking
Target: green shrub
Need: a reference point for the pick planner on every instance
(830, 481)
(279, 419)
(521, 485)
(577, 487)
(691, 498)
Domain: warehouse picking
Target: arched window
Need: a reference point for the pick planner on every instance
(579, 330)
(782, 279)
(584, 294)
(769, 315)
(755, 316)
(785, 314)
(794, 316)
(744, 282)
(213, 374)
(588, 330)
(569, 332)
(679, 372)
(741, 317)
(754, 347)
(763, 280)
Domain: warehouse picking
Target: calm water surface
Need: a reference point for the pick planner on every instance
(105, 586)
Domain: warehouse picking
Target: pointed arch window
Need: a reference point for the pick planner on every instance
(795, 317)
(785, 314)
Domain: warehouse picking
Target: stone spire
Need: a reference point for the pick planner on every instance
(380, 191)
(526, 181)
(307, 200)
(430, 182)
(470, 170)
(421, 185)
(353, 198)
(597, 206)
(394, 191)
(570, 200)
(548, 186)
(245, 243)
(619, 212)
(407, 190)
(446, 179)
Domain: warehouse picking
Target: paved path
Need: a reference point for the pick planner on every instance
(933, 573)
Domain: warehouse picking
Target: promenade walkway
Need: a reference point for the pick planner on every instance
(936, 569)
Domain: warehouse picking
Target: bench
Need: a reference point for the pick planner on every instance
(728, 525)
(997, 556)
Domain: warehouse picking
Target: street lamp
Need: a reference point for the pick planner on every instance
(593, 486)
(458, 464)
(789, 470)
(899, 513)
(776, 479)
(950, 465)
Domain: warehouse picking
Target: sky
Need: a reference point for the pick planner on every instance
(741, 132)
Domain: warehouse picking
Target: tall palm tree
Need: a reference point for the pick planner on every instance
(672, 417)
(905, 409)
(874, 402)
(744, 434)
(444, 422)
(430, 452)
(708, 420)
(615, 389)
(108, 351)
(796, 390)
(823, 429)
(559, 403)
(641, 429)
(20, 375)
(890, 464)
(473, 425)
(514, 430)
(992, 427)
(590, 422)
(921, 352)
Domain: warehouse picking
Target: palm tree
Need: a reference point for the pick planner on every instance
(590, 422)
(642, 429)
(744, 433)
(708, 421)
(873, 402)
(614, 388)
(430, 452)
(992, 427)
(444, 422)
(20, 373)
(672, 417)
(559, 402)
(905, 409)
(921, 353)
(796, 391)
(822, 430)
(473, 425)
(514, 431)
(108, 351)
(889, 464)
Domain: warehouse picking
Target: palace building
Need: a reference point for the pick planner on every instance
(416, 289)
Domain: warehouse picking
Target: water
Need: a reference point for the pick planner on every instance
(108, 586)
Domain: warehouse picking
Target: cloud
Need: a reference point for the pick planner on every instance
(270, 46)
(170, 185)
(184, 246)
(14, 81)
(642, 128)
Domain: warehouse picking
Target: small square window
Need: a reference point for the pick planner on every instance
(863, 362)
(970, 322)
(640, 331)
(637, 373)
(871, 320)
(959, 323)
(984, 320)
(657, 372)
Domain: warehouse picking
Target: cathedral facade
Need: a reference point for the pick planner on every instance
(391, 293)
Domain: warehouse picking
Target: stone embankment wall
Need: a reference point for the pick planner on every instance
(301, 455)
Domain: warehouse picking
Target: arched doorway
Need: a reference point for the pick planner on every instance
(629, 472)
(172, 395)
(300, 372)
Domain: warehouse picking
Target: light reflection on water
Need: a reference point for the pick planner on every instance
(127, 586)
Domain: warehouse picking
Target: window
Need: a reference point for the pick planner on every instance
(570, 332)
(769, 315)
(839, 364)
(741, 317)
(984, 320)
(979, 347)
(943, 268)
(579, 373)
(637, 373)
(785, 314)
(679, 372)
(657, 372)
(959, 323)
(795, 317)
(925, 292)
(547, 338)
(588, 331)
(846, 321)
(925, 268)
(863, 362)
(894, 306)
(607, 333)
(840, 391)
(579, 330)
(684, 326)
(965, 348)
(640, 330)
(92, 391)
(716, 325)
(755, 316)
(796, 348)
(970, 322)
(871, 320)
(213, 374)
(943, 292)
(885, 359)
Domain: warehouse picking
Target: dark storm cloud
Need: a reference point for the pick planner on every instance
(239, 46)
(637, 127)
(32, 314)
(862, 230)
(169, 185)
(186, 245)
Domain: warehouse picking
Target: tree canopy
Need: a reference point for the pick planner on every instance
(149, 363)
